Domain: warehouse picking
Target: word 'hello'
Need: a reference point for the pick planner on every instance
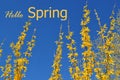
(39, 13)
(12, 14)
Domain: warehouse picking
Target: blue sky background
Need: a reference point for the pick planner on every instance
(48, 30)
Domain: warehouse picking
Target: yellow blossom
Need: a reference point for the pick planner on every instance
(56, 65)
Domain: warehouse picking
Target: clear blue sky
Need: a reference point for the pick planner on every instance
(48, 29)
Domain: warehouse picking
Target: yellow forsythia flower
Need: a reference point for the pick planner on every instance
(56, 65)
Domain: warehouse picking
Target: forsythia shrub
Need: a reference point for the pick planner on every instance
(103, 62)
(20, 58)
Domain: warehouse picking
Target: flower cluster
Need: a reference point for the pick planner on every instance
(7, 69)
(74, 68)
(30, 45)
(56, 65)
(88, 54)
(20, 60)
(106, 48)
(19, 67)
(86, 16)
(16, 47)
